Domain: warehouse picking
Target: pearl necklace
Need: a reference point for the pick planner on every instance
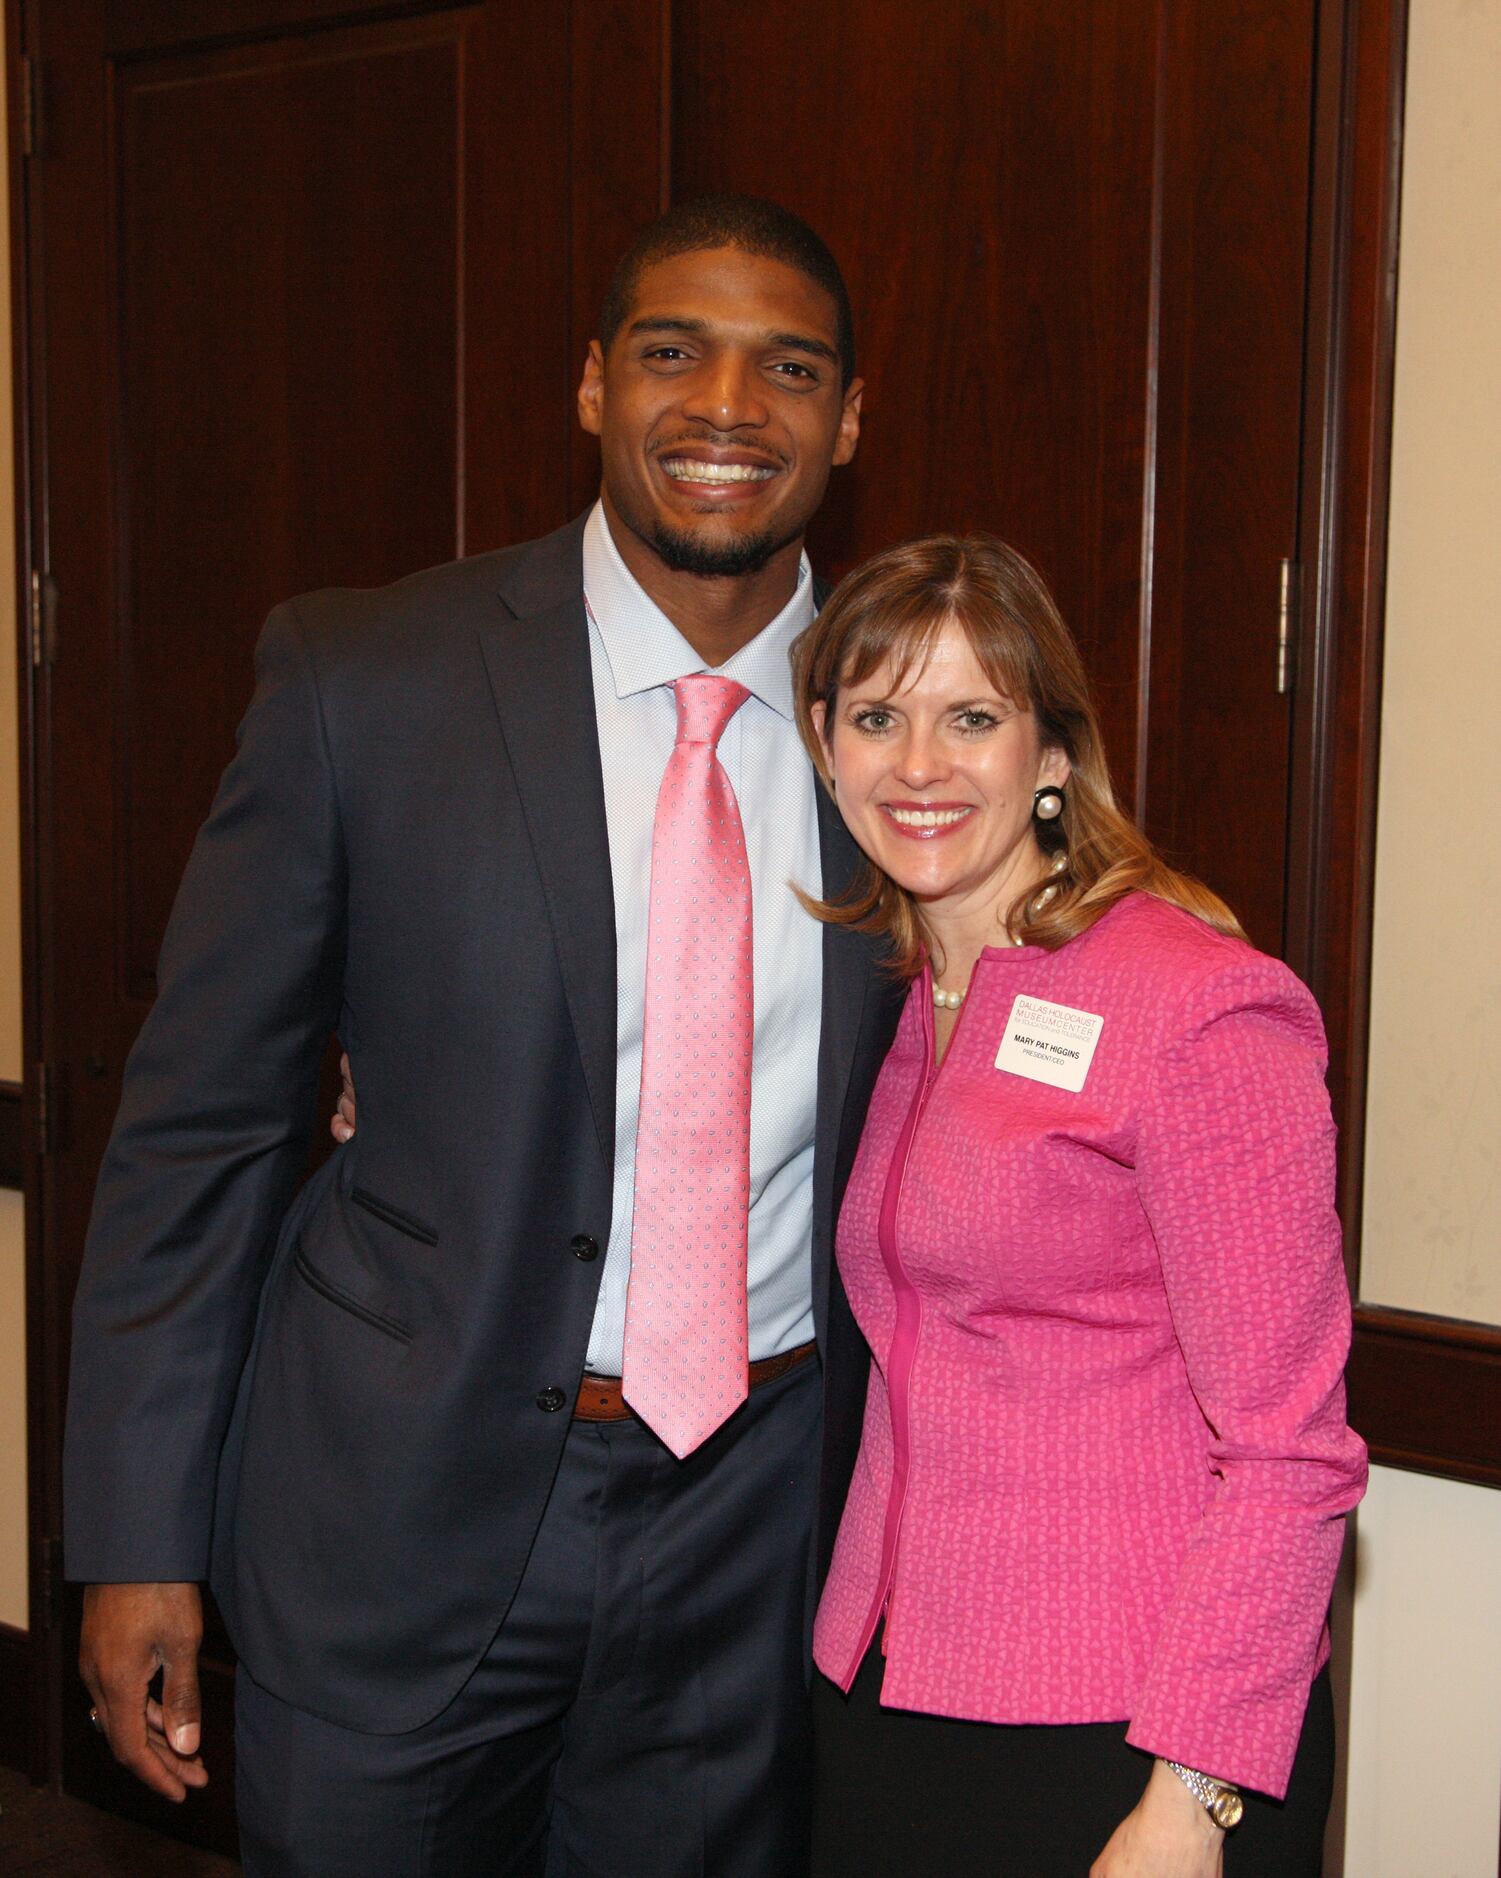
(951, 1000)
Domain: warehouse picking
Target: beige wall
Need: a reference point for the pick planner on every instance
(1432, 1230)
(1424, 1740)
(1423, 1798)
(12, 1272)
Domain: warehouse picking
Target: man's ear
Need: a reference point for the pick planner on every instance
(849, 422)
(592, 390)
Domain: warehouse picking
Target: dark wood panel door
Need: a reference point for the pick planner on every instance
(1235, 111)
(285, 339)
(1075, 238)
(307, 301)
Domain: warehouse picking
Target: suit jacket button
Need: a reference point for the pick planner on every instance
(551, 1400)
(584, 1246)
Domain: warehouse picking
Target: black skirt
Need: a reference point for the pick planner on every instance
(900, 1793)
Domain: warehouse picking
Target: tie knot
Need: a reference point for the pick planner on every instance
(706, 704)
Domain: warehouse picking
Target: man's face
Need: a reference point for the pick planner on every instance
(719, 409)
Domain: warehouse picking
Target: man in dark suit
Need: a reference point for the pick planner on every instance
(487, 1620)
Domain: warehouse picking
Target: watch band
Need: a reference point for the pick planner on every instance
(1221, 1801)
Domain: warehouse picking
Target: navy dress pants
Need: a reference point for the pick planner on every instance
(642, 1711)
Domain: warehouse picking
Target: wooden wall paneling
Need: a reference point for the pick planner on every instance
(134, 27)
(1080, 268)
(299, 311)
(1354, 589)
(1235, 104)
(285, 267)
(514, 190)
(270, 248)
(1425, 1392)
(40, 1648)
(619, 115)
(1343, 537)
(536, 260)
(12, 1153)
(67, 117)
(985, 177)
(15, 1693)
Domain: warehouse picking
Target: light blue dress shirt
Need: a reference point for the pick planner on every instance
(636, 653)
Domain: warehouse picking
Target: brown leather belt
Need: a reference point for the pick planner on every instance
(600, 1400)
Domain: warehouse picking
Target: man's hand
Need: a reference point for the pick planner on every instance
(1167, 1835)
(129, 1632)
(341, 1123)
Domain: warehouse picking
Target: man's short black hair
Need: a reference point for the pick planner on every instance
(749, 223)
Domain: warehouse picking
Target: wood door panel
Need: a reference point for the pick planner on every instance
(286, 284)
(1236, 108)
(985, 176)
(1074, 238)
(308, 287)
(137, 26)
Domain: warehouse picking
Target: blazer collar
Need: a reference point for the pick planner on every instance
(543, 688)
(846, 967)
(847, 979)
(540, 678)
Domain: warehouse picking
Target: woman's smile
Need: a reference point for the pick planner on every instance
(935, 772)
(927, 821)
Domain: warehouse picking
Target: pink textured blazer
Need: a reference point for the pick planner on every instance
(1105, 1460)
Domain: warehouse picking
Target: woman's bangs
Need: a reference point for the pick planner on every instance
(1004, 651)
(902, 636)
(899, 635)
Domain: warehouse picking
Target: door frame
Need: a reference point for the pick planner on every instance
(39, 1728)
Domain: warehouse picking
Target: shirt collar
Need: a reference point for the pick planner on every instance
(645, 649)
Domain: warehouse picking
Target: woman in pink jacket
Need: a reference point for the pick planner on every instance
(1076, 1620)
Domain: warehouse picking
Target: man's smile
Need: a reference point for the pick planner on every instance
(718, 476)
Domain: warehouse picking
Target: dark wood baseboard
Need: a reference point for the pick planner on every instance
(16, 1731)
(10, 1135)
(1425, 1392)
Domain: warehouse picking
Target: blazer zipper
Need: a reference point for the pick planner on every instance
(899, 1376)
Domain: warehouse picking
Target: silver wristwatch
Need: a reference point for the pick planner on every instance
(1222, 1803)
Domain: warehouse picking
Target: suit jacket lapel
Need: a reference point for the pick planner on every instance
(847, 975)
(543, 686)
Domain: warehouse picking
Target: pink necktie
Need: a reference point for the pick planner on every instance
(685, 1335)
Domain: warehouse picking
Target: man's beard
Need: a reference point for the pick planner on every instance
(687, 553)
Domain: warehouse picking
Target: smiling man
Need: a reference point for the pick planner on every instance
(501, 1441)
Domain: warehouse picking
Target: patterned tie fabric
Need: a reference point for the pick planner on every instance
(685, 1329)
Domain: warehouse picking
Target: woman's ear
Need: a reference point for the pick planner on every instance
(1054, 769)
(818, 713)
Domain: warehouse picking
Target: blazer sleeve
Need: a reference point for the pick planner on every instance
(1236, 1175)
(211, 1135)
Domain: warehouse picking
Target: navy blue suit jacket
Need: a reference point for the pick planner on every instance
(342, 1404)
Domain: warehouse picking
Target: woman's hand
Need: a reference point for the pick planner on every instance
(1168, 1835)
(341, 1122)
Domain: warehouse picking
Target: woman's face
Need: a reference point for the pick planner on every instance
(935, 778)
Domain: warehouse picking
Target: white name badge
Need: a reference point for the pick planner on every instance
(1049, 1043)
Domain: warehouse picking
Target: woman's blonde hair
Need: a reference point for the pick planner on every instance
(891, 611)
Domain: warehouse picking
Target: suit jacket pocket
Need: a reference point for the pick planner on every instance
(393, 1216)
(346, 1301)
